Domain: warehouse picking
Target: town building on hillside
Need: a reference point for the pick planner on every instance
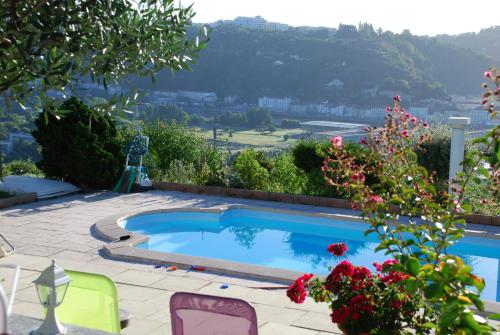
(275, 104)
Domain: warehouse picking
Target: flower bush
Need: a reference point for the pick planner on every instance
(362, 302)
(444, 281)
(426, 271)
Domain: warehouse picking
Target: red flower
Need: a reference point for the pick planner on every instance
(397, 98)
(361, 273)
(396, 304)
(297, 292)
(394, 277)
(404, 133)
(361, 304)
(340, 315)
(337, 249)
(343, 269)
(336, 142)
(363, 141)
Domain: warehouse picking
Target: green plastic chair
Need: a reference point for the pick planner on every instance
(91, 302)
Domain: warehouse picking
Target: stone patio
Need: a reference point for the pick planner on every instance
(61, 228)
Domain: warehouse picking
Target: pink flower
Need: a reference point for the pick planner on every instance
(484, 102)
(363, 141)
(337, 249)
(425, 125)
(404, 133)
(396, 98)
(407, 115)
(414, 120)
(336, 142)
(487, 74)
(376, 199)
(388, 109)
(358, 177)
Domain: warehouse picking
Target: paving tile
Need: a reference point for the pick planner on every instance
(232, 291)
(140, 278)
(142, 326)
(271, 328)
(137, 293)
(278, 315)
(172, 283)
(315, 321)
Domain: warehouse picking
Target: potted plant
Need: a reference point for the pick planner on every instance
(362, 302)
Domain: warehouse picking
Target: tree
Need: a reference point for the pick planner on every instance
(82, 148)
(258, 117)
(50, 44)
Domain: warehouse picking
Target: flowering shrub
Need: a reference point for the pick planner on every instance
(447, 285)
(362, 302)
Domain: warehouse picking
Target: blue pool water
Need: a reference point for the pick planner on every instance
(288, 241)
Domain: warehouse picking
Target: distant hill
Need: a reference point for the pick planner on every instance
(337, 65)
(487, 41)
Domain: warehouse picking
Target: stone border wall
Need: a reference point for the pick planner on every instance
(17, 200)
(289, 198)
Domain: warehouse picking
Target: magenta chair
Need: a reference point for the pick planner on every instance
(198, 314)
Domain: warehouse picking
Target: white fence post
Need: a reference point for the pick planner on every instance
(458, 125)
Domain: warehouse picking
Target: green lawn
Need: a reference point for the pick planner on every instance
(263, 140)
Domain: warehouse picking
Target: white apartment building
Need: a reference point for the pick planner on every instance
(258, 22)
(479, 116)
(275, 104)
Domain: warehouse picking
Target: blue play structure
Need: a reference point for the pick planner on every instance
(134, 176)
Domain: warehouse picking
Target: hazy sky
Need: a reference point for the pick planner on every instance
(422, 17)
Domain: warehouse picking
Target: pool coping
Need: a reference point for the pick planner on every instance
(109, 229)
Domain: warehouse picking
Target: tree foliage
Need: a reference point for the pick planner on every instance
(83, 148)
(49, 44)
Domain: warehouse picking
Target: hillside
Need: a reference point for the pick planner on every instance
(335, 65)
(487, 41)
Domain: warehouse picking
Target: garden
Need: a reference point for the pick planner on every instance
(400, 170)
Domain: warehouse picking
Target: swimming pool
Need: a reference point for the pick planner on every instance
(287, 241)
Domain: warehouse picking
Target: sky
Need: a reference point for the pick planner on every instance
(421, 17)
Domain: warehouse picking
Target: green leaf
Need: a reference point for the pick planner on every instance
(413, 266)
(434, 290)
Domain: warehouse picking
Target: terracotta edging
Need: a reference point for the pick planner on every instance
(17, 200)
(291, 198)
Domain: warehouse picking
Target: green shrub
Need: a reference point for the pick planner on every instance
(306, 155)
(213, 170)
(480, 197)
(285, 176)
(435, 155)
(22, 167)
(83, 147)
(169, 142)
(179, 172)
(252, 174)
